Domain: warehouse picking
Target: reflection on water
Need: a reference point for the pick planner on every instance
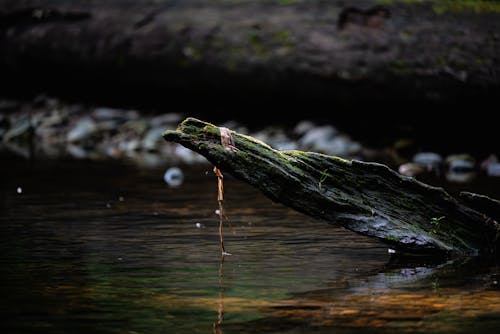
(220, 310)
(108, 248)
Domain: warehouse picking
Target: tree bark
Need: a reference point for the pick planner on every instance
(367, 198)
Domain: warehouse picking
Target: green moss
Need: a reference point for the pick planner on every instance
(406, 35)
(324, 175)
(283, 37)
(257, 45)
(477, 6)
(400, 67)
(443, 6)
(288, 2)
(392, 237)
(192, 52)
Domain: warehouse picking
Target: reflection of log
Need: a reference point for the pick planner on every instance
(367, 198)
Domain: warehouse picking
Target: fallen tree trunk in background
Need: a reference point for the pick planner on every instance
(405, 50)
(367, 198)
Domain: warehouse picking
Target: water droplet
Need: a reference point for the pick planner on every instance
(173, 177)
(19, 190)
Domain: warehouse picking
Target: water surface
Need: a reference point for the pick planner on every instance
(110, 248)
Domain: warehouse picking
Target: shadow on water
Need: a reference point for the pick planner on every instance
(110, 248)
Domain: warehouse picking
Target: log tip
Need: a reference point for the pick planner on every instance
(171, 135)
(188, 126)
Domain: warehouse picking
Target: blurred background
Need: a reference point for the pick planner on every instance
(405, 76)
(107, 228)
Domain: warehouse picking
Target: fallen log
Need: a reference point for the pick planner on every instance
(367, 198)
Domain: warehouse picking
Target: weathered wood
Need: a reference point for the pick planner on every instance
(481, 203)
(367, 198)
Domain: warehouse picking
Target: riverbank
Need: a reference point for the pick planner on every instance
(50, 128)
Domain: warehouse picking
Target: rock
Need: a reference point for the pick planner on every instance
(54, 118)
(491, 165)
(326, 139)
(186, 155)
(129, 145)
(432, 161)
(460, 168)
(317, 136)
(341, 146)
(286, 145)
(412, 169)
(138, 127)
(493, 169)
(21, 126)
(107, 126)
(302, 127)
(153, 137)
(167, 119)
(491, 159)
(114, 114)
(84, 128)
(276, 138)
(459, 163)
(77, 151)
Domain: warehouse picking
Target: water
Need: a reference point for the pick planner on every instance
(109, 248)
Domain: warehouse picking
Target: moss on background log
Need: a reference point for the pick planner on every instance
(367, 198)
(434, 50)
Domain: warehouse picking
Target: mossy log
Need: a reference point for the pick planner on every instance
(367, 198)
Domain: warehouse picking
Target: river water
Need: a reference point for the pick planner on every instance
(108, 247)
